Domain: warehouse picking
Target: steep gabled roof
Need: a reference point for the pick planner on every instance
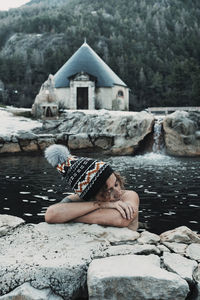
(86, 60)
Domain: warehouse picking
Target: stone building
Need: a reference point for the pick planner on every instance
(85, 81)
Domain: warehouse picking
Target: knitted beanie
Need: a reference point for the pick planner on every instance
(84, 175)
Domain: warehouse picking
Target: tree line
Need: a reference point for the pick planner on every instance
(153, 46)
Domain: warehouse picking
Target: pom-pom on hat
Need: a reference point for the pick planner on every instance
(84, 175)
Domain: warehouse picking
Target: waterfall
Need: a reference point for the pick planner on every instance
(158, 139)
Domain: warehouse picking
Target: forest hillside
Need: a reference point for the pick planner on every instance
(153, 46)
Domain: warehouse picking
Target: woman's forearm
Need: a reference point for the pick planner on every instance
(104, 216)
(64, 212)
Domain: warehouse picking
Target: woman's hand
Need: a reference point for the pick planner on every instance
(126, 209)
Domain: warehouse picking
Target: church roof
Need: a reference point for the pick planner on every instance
(86, 60)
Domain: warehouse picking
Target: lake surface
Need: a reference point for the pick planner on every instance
(169, 188)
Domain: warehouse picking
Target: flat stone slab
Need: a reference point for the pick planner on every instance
(178, 248)
(8, 223)
(55, 255)
(132, 276)
(180, 265)
(181, 234)
(193, 251)
(132, 249)
(27, 292)
(148, 238)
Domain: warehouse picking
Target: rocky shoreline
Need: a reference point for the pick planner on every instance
(81, 261)
(108, 132)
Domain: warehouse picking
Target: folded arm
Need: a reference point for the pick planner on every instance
(120, 213)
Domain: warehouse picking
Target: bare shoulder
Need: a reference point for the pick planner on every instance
(130, 196)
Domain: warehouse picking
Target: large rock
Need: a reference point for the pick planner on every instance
(180, 265)
(178, 248)
(193, 251)
(133, 277)
(55, 255)
(148, 238)
(181, 234)
(197, 278)
(7, 223)
(108, 131)
(27, 292)
(53, 259)
(182, 133)
(132, 249)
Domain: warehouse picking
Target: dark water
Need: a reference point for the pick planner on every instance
(169, 188)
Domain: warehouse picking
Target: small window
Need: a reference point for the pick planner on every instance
(120, 94)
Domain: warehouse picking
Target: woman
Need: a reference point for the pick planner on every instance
(99, 194)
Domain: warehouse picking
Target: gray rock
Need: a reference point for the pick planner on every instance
(109, 131)
(181, 234)
(132, 249)
(197, 274)
(26, 135)
(27, 292)
(197, 279)
(46, 255)
(181, 133)
(8, 223)
(176, 247)
(193, 251)
(101, 233)
(133, 277)
(197, 134)
(79, 141)
(180, 265)
(163, 248)
(10, 148)
(148, 238)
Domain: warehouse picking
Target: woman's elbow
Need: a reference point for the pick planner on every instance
(50, 215)
(121, 222)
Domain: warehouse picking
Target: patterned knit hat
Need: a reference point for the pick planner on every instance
(84, 175)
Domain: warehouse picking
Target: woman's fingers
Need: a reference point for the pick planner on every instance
(127, 209)
(131, 210)
(121, 210)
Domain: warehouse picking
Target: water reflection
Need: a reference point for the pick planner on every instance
(169, 188)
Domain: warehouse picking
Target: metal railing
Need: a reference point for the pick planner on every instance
(166, 110)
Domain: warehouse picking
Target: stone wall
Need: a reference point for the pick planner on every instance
(118, 133)
(82, 261)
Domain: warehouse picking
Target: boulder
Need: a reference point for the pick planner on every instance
(79, 141)
(55, 255)
(148, 238)
(52, 260)
(133, 277)
(181, 131)
(180, 265)
(108, 131)
(178, 248)
(7, 223)
(10, 148)
(181, 234)
(132, 249)
(193, 251)
(197, 279)
(27, 292)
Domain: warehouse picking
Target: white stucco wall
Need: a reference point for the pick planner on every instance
(105, 98)
(120, 102)
(63, 95)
